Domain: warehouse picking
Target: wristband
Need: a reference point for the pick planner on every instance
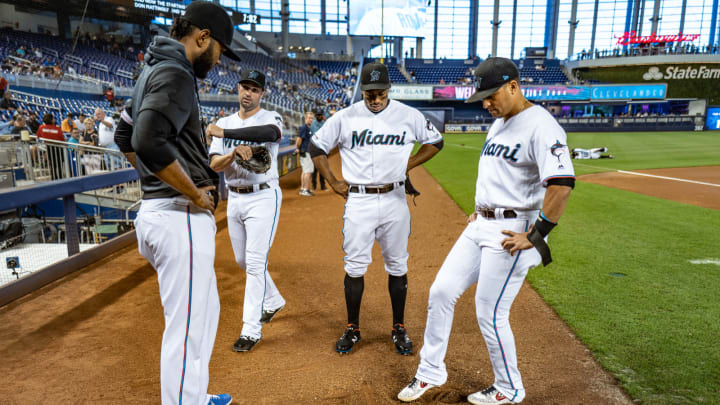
(543, 225)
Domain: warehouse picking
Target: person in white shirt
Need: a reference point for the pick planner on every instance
(375, 138)
(524, 174)
(254, 202)
(106, 139)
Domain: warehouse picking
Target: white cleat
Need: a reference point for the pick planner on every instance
(488, 396)
(414, 390)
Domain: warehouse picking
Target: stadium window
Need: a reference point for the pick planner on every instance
(453, 29)
(670, 13)
(583, 30)
(698, 17)
(610, 24)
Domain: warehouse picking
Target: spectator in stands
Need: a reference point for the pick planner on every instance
(90, 135)
(6, 103)
(109, 94)
(80, 122)
(74, 136)
(106, 138)
(68, 123)
(4, 86)
(33, 123)
(19, 124)
(55, 154)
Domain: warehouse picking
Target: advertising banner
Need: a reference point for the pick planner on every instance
(712, 121)
(411, 92)
(395, 18)
(559, 92)
(463, 128)
(453, 92)
(628, 91)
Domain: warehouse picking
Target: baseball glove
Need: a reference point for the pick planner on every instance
(410, 189)
(259, 162)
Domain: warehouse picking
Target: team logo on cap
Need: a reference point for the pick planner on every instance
(374, 75)
(505, 77)
(253, 74)
(478, 80)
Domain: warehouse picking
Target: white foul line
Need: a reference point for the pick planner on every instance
(670, 178)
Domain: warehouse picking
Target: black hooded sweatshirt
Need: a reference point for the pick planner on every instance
(166, 118)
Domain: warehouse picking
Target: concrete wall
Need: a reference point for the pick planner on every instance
(328, 43)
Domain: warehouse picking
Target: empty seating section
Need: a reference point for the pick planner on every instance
(449, 71)
(540, 71)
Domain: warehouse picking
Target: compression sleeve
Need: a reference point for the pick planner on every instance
(150, 141)
(315, 151)
(258, 133)
(123, 137)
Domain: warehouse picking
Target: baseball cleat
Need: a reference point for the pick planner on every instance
(488, 396)
(245, 343)
(267, 316)
(414, 390)
(403, 344)
(348, 339)
(222, 399)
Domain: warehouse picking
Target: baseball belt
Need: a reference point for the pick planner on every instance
(490, 213)
(375, 189)
(249, 189)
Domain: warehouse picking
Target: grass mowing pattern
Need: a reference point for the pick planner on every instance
(656, 329)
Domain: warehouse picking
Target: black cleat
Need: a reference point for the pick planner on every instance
(245, 343)
(403, 344)
(267, 316)
(348, 339)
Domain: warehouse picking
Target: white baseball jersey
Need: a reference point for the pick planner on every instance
(236, 175)
(375, 147)
(518, 158)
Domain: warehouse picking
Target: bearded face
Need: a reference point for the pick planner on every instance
(207, 60)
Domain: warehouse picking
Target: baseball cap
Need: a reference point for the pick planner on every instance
(253, 76)
(490, 75)
(210, 16)
(374, 76)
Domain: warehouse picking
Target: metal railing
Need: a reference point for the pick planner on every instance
(47, 160)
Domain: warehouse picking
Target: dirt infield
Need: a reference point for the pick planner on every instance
(680, 184)
(95, 335)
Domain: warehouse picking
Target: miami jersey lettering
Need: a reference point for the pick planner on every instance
(375, 148)
(516, 166)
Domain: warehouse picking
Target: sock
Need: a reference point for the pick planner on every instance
(398, 292)
(353, 296)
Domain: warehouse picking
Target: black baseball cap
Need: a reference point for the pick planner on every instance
(253, 76)
(374, 76)
(210, 16)
(490, 75)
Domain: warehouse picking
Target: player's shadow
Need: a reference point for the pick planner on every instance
(64, 323)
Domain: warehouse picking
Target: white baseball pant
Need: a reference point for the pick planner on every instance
(178, 239)
(478, 257)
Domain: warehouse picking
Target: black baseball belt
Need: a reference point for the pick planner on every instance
(249, 189)
(375, 189)
(490, 213)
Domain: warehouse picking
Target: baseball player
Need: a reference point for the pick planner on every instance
(593, 153)
(254, 202)
(162, 136)
(525, 174)
(375, 138)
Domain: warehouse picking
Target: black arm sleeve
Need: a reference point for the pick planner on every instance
(258, 133)
(439, 145)
(150, 141)
(315, 151)
(123, 137)
(562, 181)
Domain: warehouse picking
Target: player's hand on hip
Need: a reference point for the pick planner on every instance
(516, 241)
(472, 217)
(244, 151)
(340, 187)
(205, 199)
(216, 131)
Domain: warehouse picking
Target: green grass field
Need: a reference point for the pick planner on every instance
(622, 277)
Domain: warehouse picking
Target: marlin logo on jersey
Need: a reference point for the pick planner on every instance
(366, 137)
(556, 150)
(500, 150)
